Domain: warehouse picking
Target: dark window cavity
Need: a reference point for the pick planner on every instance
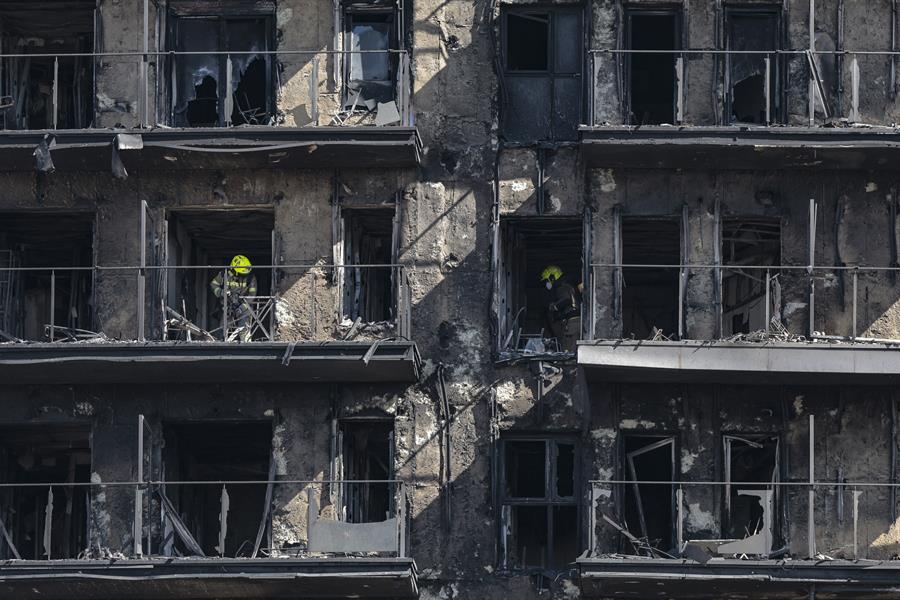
(649, 507)
(651, 75)
(539, 524)
(28, 99)
(750, 99)
(751, 462)
(537, 319)
(215, 451)
(51, 246)
(44, 523)
(650, 294)
(750, 242)
(542, 61)
(367, 462)
(202, 96)
(368, 242)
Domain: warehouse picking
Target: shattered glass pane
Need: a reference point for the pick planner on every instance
(370, 66)
(197, 75)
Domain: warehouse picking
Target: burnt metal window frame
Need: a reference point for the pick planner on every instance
(778, 66)
(638, 10)
(626, 467)
(226, 100)
(359, 11)
(728, 440)
(550, 499)
(551, 73)
(342, 493)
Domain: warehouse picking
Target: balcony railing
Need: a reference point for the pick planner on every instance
(164, 527)
(702, 287)
(814, 86)
(319, 87)
(371, 301)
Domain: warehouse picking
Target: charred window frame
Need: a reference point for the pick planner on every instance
(746, 89)
(198, 94)
(365, 451)
(754, 461)
(543, 63)
(750, 242)
(369, 236)
(539, 502)
(652, 75)
(371, 77)
(648, 509)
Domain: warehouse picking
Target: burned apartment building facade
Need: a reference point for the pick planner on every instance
(391, 412)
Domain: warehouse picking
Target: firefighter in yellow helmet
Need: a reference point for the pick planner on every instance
(563, 304)
(241, 285)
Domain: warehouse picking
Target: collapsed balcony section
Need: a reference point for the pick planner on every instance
(47, 73)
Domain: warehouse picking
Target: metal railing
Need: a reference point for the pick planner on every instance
(769, 286)
(823, 96)
(784, 515)
(155, 91)
(167, 518)
(366, 300)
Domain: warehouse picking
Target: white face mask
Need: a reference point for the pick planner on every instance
(549, 284)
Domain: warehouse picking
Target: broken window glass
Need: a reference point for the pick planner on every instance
(652, 75)
(650, 294)
(539, 319)
(45, 454)
(542, 61)
(368, 459)
(540, 511)
(370, 65)
(47, 244)
(750, 242)
(752, 31)
(649, 507)
(368, 240)
(749, 459)
(200, 97)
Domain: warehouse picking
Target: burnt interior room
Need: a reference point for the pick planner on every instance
(213, 237)
(55, 242)
(369, 240)
(650, 294)
(45, 454)
(367, 457)
(751, 242)
(217, 451)
(528, 247)
(649, 507)
(652, 75)
(371, 30)
(200, 97)
(540, 513)
(752, 30)
(26, 82)
(749, 459)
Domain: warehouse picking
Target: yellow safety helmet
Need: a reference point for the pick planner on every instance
(551, 271)
(240, 264)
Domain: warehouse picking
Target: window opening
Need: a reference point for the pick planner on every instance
(535, 252)
(650, 294)
(539, 525)
(542, 61)
(749, 459)
(752, 31)
(217, 451)
(748, 242)
(370, 67)
(649, 507)
(652, 75)
(54, 241)
(368, 457)
(368, 240)
(214, 237)
(26, 84)
(200, 97)
(45, 454)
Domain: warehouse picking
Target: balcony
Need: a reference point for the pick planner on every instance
(740, 109)
(239, 114)
(302, 323)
